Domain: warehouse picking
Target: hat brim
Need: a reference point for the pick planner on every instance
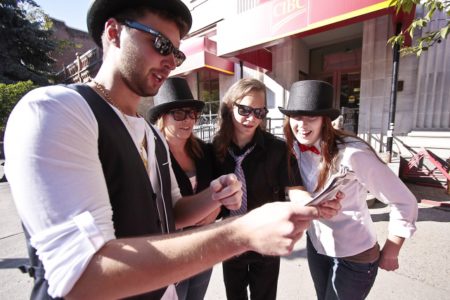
(332, 113)
(101, 10)
(155, 112)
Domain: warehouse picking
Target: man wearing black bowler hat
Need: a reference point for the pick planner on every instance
(92, 182)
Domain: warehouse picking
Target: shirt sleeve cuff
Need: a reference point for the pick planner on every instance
(402, 229)
(66, 249)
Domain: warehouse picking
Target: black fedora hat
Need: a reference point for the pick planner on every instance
(310, 98)
(174, 93)
(101, 10)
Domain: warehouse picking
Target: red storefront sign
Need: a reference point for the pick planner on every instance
(271, 21)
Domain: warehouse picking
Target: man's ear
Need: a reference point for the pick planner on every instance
(112, 30)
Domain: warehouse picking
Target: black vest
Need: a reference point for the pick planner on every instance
(135, 209)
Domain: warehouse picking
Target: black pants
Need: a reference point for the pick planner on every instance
(251, 269)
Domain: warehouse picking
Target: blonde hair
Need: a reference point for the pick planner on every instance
(235, 93)
(192, 146)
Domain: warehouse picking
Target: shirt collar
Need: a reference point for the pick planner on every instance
(257, 141)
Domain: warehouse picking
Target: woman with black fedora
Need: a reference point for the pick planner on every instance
(175, 113)
(343, 252)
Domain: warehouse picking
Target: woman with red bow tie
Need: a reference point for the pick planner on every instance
(343, 252)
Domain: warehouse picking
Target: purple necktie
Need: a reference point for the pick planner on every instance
(239, 172)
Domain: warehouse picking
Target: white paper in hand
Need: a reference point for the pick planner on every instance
(333, 186)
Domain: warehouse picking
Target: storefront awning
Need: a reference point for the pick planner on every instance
(261, 58)
(271, 21)
(201, 53)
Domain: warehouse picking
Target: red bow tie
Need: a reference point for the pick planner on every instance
(313, 149)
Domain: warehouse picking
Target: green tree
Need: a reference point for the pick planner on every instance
(25, 42)
(429, 38)
(10, 94)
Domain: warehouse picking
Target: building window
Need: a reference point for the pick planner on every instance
(244, 5)
(208, 91)
(208, 85)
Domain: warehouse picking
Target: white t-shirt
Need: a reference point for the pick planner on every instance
(57, 182)
(351, 231)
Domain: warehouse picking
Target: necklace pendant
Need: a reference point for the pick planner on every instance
(143, 151)
(145, 161)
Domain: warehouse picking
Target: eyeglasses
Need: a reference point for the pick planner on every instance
(245, 111)
(182, 114)
(161, 44)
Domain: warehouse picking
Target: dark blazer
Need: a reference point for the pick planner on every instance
(204, 169)
(265, 169)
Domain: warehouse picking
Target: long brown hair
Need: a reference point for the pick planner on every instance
(192, 146)
(330, 139)
(235, 93)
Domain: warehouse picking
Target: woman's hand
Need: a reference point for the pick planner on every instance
(389, 253)
(227, 190)
(328, 209)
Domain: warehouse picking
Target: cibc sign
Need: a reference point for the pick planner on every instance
(271, 21)
(287, 15)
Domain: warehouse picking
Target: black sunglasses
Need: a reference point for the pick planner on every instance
(245, 111)
(161, 44)
(182, 114)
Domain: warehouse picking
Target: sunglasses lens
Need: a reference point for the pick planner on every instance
(179, 56)
(244, 110)
(181, 115)
(178, 115)
(163, 45)
(260, 113)
(194, 115)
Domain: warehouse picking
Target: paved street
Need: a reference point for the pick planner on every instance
(424, 264)
(424, 271)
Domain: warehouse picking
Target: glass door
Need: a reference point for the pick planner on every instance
(349, 90)
(346, 86)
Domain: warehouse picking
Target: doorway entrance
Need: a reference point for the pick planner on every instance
(346, 86)
(340, 65)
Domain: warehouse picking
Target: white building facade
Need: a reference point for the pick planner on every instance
(283, 41)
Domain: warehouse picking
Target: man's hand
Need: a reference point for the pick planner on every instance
(227, 189)
(274, 228)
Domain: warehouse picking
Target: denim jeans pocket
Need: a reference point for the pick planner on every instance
(353, 280)
(365, 268)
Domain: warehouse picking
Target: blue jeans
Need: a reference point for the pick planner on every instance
(340, 279)
(194, 288)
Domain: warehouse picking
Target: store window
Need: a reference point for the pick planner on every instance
(208, 91)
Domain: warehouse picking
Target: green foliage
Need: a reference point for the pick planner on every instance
(429, 38)
(25, 42)
(10, 94)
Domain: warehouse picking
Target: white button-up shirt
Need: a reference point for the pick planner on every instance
(351, 231)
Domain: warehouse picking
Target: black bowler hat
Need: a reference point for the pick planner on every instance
(311, 98)
(174, 93)
(101, 10)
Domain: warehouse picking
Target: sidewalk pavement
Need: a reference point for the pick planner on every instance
(424, 261)
(424, 271)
